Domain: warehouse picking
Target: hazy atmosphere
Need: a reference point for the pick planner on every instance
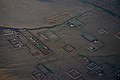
(59, 39)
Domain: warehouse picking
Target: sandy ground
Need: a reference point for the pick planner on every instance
(17, 64)
(32, 13)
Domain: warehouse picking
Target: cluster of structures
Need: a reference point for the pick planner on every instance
(95, 69)
(43, 73)
(72, 23)
(41, 43)
(23, 38)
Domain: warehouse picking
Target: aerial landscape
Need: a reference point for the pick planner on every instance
(59, 39)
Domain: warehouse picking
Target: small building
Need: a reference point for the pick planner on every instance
(16, 42)
(38, 76)
(49, 35)
(117, 35)
(40, 45)
(116, 74)
(68, 48)
(72, 23)
(95, 45)
(74, 74)
(43, 69)
(102, 31)
(94, 68)
(7, 31)
(88, 37)
(99, 71)
(42, 37)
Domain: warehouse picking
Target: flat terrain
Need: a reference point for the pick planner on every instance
(59, 40)
(34, 13)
